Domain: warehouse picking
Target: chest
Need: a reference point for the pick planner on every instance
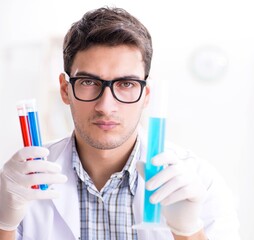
(107, 214)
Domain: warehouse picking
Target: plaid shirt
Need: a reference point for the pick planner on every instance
(107, 214)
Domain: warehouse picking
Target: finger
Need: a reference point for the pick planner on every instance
(33, 194)
(27, 194)
(165, 158)
(163, 176)
(30, 152)
(168, 189)
(140, 168)
(26, 181)
(41, 178)
(38, 166)
(185, 193)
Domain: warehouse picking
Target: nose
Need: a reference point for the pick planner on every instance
(106, 104)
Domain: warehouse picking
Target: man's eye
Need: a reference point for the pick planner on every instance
(127, 84)
(87, 82)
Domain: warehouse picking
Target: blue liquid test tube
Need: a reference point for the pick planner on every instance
(156, 138)
(157, 113)
(34, 128)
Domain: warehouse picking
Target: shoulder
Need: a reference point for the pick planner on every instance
(57, 143)
(57, 147)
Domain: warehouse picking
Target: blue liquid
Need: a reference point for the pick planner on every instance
(156, 136)
(35, 128)
(35, 135)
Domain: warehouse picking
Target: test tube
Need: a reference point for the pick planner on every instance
(156, 137)
(25, 128)
(34, 122)
(33, 119)
(155, 145)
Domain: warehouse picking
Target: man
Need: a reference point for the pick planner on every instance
(107, 58)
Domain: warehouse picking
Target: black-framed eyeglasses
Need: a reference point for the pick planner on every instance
(90, 88)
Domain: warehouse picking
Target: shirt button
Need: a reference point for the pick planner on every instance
(100, 200)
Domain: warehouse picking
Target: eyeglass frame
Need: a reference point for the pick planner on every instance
(106, 83)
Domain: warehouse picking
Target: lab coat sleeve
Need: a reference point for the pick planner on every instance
(219, 209)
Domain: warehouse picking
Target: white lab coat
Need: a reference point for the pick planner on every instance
(59, 218)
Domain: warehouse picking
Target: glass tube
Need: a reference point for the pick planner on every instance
(25, 128)
(35, 132)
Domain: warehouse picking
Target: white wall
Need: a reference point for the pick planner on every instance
(214, 118)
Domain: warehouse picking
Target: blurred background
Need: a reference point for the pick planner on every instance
(203, 56)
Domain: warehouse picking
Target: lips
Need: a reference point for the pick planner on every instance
(106, 125)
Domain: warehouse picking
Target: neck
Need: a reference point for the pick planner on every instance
(101, 164)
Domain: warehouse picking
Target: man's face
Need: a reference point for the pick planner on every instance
(106, 123)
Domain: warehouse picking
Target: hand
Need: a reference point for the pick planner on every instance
(179, 191)
(16, 182)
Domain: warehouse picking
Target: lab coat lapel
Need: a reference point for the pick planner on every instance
(67, 204)
(138, 202)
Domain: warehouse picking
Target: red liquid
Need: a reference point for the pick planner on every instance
(27, 141)
(25, 130)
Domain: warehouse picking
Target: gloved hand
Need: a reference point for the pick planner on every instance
(16, 182)
(179, 191)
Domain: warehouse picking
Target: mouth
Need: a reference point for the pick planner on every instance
(106, 125)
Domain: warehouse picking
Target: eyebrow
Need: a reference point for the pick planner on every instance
(87, 74)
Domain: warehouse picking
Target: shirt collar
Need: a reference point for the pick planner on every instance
(128, 169)
(130, 166)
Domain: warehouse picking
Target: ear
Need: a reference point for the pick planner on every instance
(147, 95)
(64, 88)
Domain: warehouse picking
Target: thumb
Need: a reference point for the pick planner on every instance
(140, 166)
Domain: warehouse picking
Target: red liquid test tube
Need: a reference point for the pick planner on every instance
(24, 125)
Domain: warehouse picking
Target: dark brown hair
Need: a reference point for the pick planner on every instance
(110, 27)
